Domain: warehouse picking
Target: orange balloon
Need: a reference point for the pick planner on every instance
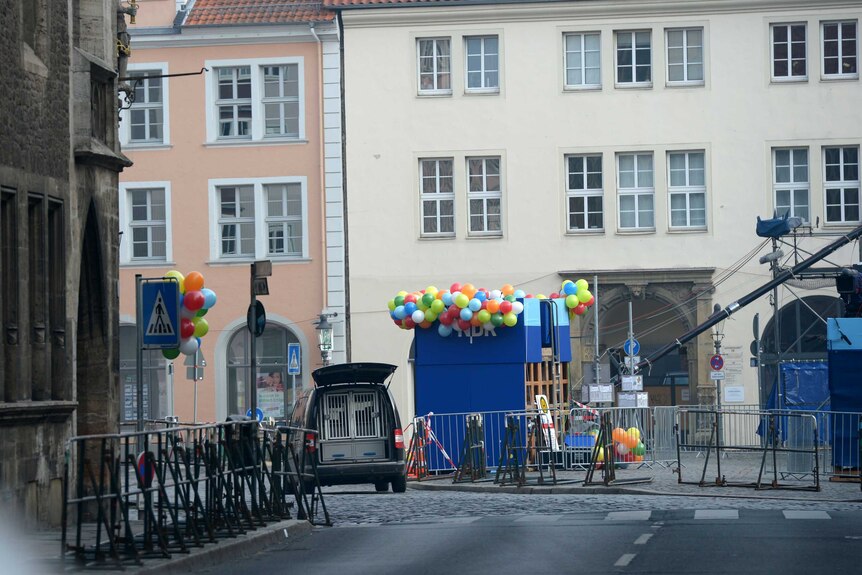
(619, 435)
(507, 289)
(475, 320)
(493, 306)
(194, 281)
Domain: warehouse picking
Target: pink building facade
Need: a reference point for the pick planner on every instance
(236, 138)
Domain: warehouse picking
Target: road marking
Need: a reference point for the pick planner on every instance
(625, 559)
(538, 519)
(797, 514)
(657, 525)
(716, 514)
(459, 520)
(628, 515)
(643, 539)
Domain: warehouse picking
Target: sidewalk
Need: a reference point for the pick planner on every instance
(39, 553)
(736, 468)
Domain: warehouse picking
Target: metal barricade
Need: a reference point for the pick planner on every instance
(712, 433)
(153, 493)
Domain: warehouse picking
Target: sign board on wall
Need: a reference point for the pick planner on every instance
(734, 394)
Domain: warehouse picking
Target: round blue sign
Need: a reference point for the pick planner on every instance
(716, 362)
(258, 413)
(632, 347)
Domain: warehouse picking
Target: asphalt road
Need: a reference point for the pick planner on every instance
(450, 532)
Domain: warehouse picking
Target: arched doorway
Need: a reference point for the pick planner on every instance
(801, 335)
(275, 389)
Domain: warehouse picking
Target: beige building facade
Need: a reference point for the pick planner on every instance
(632, 142)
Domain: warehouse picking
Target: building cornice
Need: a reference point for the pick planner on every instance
(389, 15)
(235, 35)
(638, 276)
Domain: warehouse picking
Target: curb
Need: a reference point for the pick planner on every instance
(214, 554)
(598, 490)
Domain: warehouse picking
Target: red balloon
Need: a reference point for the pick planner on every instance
(409, 323)
(193, 300)
(445, 319)
(410, 298)
(455, 287)
(187, 328)
(464, 325)
(505, 307)
(579, 309)
(591, 301)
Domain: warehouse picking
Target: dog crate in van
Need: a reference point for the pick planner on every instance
(353, 425)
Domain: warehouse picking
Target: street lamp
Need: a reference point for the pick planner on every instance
(324, 338)
(717, 331)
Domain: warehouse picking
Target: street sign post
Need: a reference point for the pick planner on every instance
(632, 347)
(294, 363)
(716, 362)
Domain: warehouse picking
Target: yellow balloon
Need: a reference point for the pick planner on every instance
(601, 456)
(179, 277)
(584, 295)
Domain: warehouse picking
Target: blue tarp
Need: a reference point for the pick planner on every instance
(804, 387)
(777, 227)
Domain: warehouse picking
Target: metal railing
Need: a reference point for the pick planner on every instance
(161, 491)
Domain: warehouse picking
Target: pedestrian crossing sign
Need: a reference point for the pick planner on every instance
(160, 314)
(293, 359)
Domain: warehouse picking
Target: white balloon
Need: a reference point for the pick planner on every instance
(189, 345)
(418, 316)
(496, 294)
(517, 307)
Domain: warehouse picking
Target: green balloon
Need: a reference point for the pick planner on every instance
(201, 312)
(639, 449)
(510, 298)
(399, 300)
(497, 319)
(171, 353)
(428, 299)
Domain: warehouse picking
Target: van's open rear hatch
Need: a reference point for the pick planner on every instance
(353, 373)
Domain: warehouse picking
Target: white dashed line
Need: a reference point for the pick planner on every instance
(538, 519)
(798, 514)
(628, 515)
(716, 514)
(625, 559)
(643, 539)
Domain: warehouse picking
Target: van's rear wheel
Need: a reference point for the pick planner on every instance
(381, 486)
(399, 484)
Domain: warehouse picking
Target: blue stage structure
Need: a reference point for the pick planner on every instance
(844, 345)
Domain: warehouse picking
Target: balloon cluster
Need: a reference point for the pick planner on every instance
(627, 444)
(195, 302)
(457, 309)
(577, 296)
(463, 306)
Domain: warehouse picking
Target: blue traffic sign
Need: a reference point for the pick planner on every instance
(294, 359)
(160, 313)
(632, 347)
(716, 362)
(258, 412)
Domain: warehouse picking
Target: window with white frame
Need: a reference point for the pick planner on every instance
(636, 190)
(584, 192)
(284, 219)
(254, 100)
(789, 52)
(685, 56)
(841, 183)
(840, 49)
(791, 182)
(281, 101)
(687, 190)
(483, 63)
(484, 196)
(437, 197)
(234, 102)
(259, 218)
(147, 121)
(583, 60)
(435, 65)
(634, 58)
(145, 220)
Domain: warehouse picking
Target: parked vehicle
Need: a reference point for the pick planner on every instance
(360, 439)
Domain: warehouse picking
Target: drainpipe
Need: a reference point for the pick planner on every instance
(322, 169)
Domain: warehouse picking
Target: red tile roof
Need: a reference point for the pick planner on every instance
(224, 12)
(335, 4)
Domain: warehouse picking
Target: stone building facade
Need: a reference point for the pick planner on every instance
(59, 167)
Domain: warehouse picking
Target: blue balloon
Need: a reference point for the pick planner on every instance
(447, 299)
(570, 289)
(474, 305)
(444, 330)
(519, 293)
(392, 314)
(466, 314)
(209, 298)
(480, 295)
(400, 312)
(409, 308)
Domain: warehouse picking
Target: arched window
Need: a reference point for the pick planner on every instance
(274, 388)
(802, 333)
(157, 400)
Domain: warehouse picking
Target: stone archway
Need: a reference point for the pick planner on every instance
(665, 304)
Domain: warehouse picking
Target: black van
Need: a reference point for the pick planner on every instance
(359, 431)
